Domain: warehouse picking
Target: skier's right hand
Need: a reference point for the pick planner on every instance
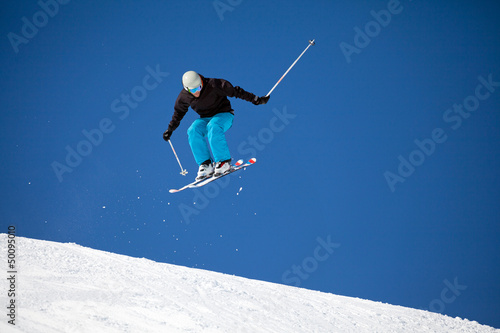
(167, 134)
(260, 100)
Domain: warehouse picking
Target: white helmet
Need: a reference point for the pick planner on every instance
(191, 80)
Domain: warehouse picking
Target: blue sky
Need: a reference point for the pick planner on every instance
(378, 155)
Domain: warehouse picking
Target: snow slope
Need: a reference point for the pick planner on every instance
(70, 288)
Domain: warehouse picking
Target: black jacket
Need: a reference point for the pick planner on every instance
(212, 100)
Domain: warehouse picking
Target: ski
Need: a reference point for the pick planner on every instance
(238, 166)
(187, 186)
(198, 183)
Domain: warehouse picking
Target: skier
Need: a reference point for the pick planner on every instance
(208, 97)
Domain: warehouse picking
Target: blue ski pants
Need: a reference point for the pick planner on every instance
(214, 129)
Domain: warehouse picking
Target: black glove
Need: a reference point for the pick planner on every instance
(167, 134)
(260, 100)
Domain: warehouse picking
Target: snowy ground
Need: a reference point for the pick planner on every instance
(69, 288)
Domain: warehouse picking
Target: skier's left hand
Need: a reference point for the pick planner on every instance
(260, 100)
(167, 134)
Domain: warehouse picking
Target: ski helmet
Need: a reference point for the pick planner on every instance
(191, 80)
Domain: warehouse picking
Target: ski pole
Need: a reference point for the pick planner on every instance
(183, 171)
(311, 42)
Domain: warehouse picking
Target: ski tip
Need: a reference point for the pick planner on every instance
(252, 160)
(240, 162)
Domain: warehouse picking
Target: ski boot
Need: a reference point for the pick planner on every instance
(205, 170)
(222, 168)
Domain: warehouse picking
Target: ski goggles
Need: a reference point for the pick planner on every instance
(195, 90)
